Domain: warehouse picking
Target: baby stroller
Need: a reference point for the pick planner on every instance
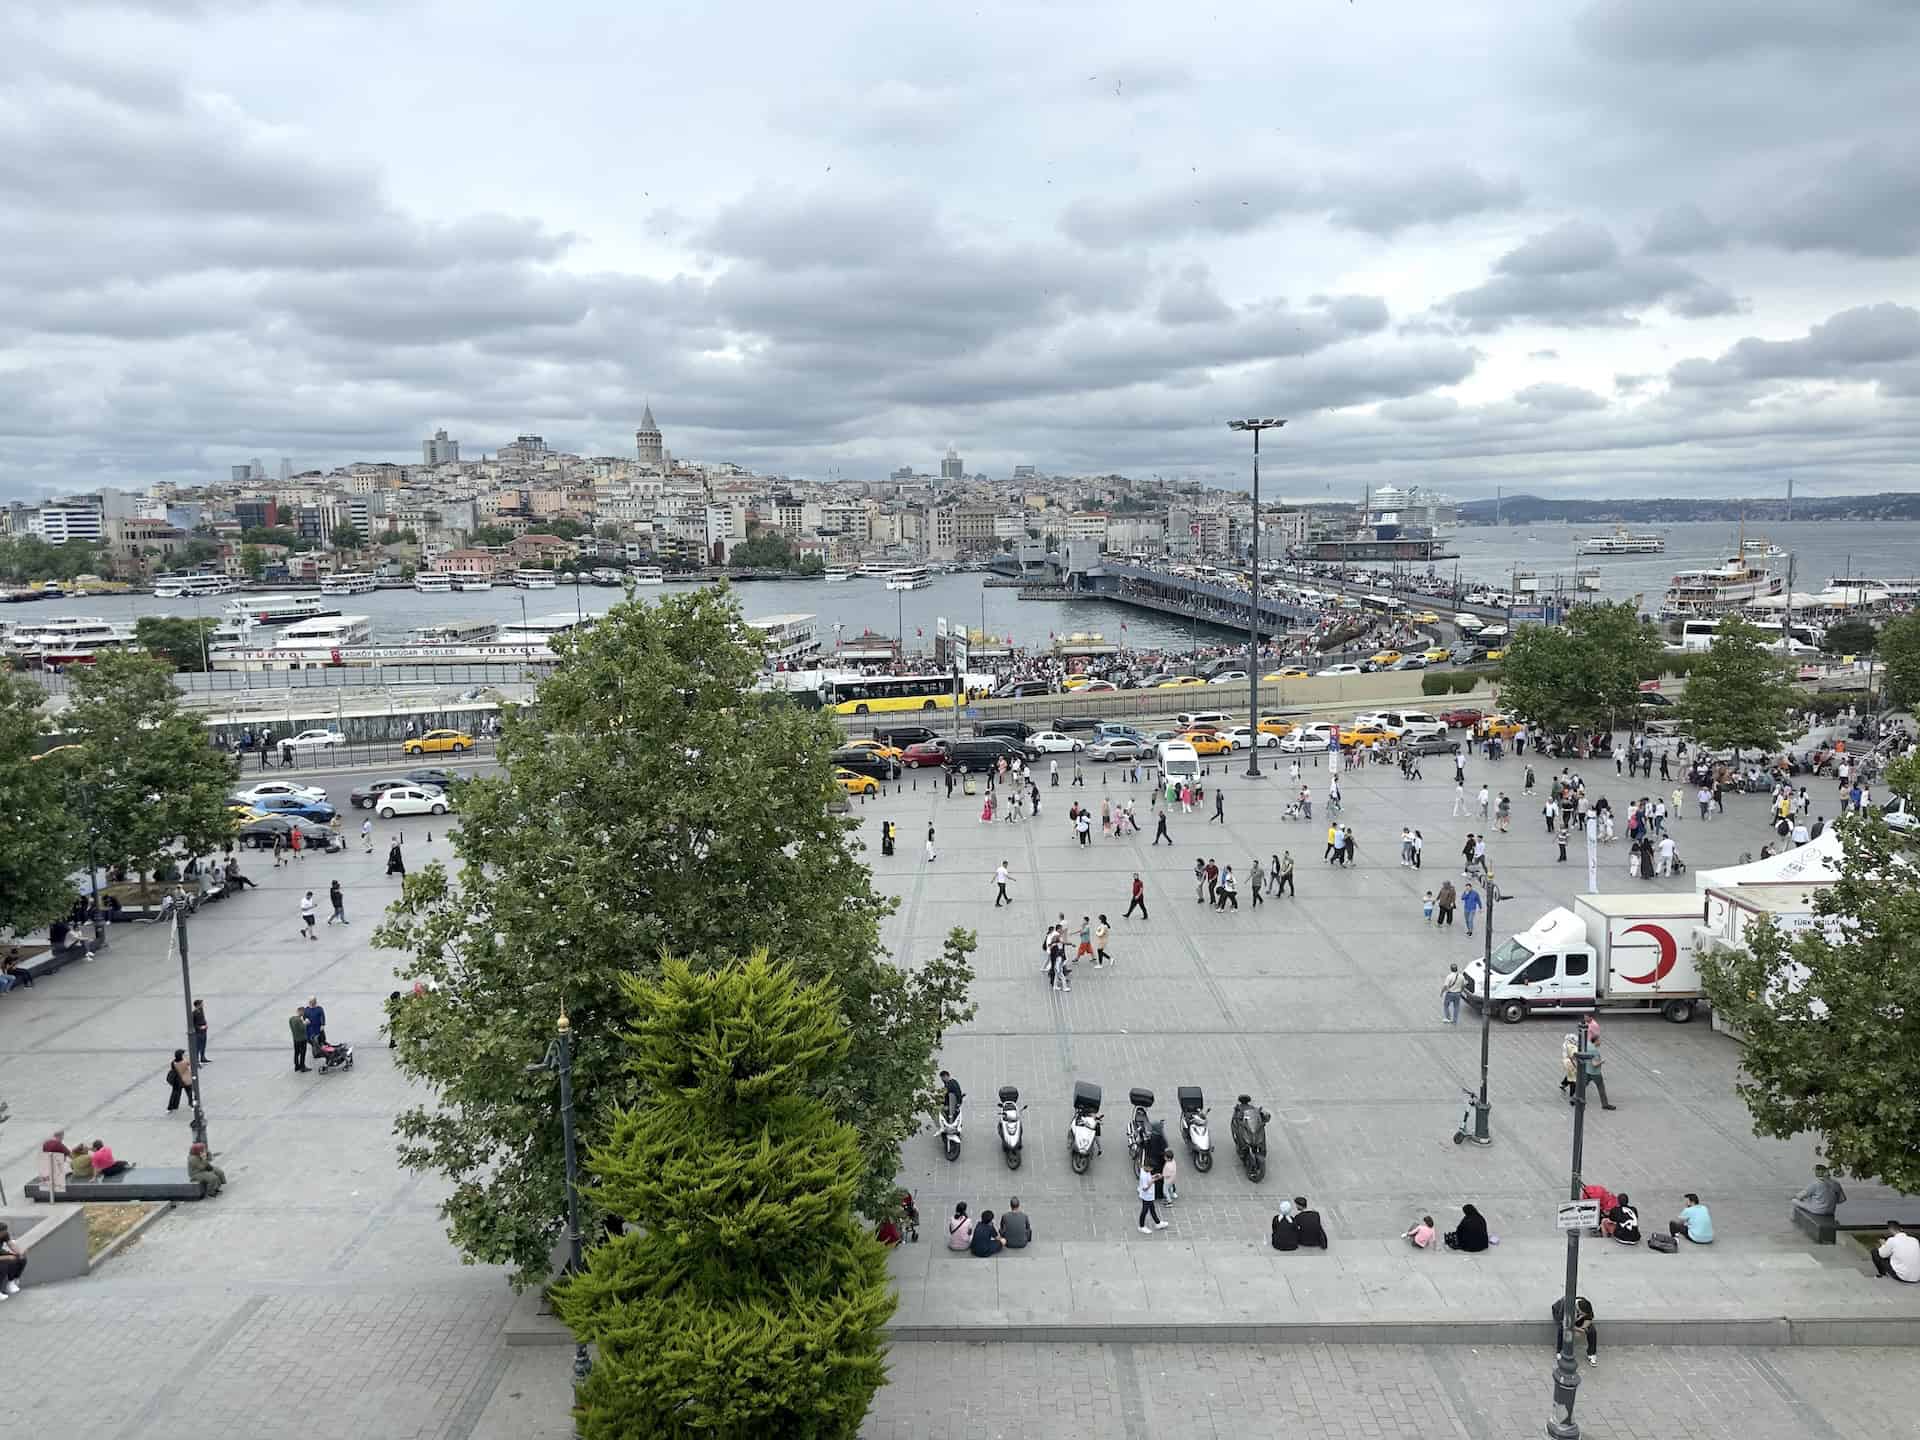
(333, 1055)
(909, 1215)
(1679, 865)
(1292, 812)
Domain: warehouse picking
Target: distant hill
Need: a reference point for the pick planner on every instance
(1528, 509)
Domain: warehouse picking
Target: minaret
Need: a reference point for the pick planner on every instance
(646, 441)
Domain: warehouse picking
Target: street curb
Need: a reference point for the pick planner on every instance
(121, 1241)
(1776, 1332)
(530, 1322)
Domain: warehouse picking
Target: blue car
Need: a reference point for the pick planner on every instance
(317, 811)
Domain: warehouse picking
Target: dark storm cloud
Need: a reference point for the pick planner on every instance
(1872, 343)
(1575, 275)
(1379, 204)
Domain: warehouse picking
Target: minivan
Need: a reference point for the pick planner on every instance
(983, 753)
(1188, 719)
(1020, 689)
(1015, 730)
(1179, 762)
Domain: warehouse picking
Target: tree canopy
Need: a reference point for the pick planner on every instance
(40, 839)
(742, 1298)
(647, 805)
(149, 778)
(180, 641)
(348, 537)
(492, 536)
(1854, 636)
(1831, 1017)
(1582, 674)
(1737, 694)
(28, 557)
(1899, 651)
(280, 535)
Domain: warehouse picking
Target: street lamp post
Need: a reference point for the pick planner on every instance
(85, 791)
(1253, 613)
(186, 999)
(1566, 1376)
(1481, 1106)
(559, 1057)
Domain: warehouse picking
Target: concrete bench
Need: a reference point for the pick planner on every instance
(159, 1182)
(40, 962)
(1854, 1216)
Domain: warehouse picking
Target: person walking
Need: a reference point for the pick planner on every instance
(1258, 883)
(1143, 1187)
(1484, 797)
(279, 849)
(366, 834)
(179, 1079)
(296, 842)
(396, 863)
(1560, 837)
(1443, 904)
(1229, 890)
(1053, 773)
(1219, 806)
(1595, 1078)
(200, 1032)
(1470, 905)
(338, 899)
(297, 1027)
(1459, 796)
(1284, 870)
(1450, 995)
(1160, 830)
(1419, 846)
(1001, 878)
(307, 916)
(1139, 900)
(1084, 826)
(932, 854)
(1504, 813)
(1100, 934)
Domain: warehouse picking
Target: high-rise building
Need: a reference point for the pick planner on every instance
(61, 521)
(647, 442)
(950, 466)
(440, 450)
(239, 474)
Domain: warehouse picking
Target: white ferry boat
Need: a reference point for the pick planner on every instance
(281, 609)
(328, 633)
(187, 587)
(838, 574)
(433, 582)
(1739, 582)
(909, 577)
(536, 635)
(68, 642)
(1622, 542)
(530, 579)
(236, 632)
(875, 572)
(347, 582)
(454, 632)
(789, 638)
(646, 575)
(467, 581)
(1898, 587)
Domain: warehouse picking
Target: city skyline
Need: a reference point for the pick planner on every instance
(1581, 250)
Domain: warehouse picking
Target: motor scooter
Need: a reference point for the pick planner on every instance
(1140, 1126)
(1193, 1127)
(1083, 1133)
(1010, 1125)
(1250, 1137)
(948, 1125)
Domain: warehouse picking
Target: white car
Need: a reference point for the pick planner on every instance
(1052, 742)
(1241, 736)
(314, 740)
(1214, 719)
(1341, 670)
(412, 800)
(280, 787)
(1898, 815)
(1306, 742)
(1229, 677)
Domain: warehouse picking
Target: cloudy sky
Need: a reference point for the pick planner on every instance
(1620, 247)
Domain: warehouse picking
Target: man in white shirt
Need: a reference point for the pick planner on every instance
(1899, 1256)
(1000, 878)
(1666, 855)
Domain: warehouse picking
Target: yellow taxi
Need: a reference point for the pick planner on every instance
(1496, 654)
(243, 814)
(1361, 734)
(1384, 658)
(876, 747)
(1274, 725)
(1436, 655)
(1075, 682)
(1207, 742)
(1424, 617)
(1292, 672)
(1503, 727)
(856, 784)
(1180, 682)
(437, 742)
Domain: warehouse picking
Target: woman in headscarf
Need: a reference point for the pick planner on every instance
(1471, 1233)
(1286, 1236)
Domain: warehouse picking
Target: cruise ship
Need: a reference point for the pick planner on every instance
(281, 609)
(68, 642)
(1622, 542)
(454, 632)
(347, 582)
(186, 587)
(1737, 583)
(909, 577)
(433, 582)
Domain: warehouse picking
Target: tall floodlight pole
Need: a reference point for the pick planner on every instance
(1566, 1373)
(1253, 613)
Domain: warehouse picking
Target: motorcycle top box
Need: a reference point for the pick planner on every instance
(1190, 1098)
(1009, 1093)
(1086, 1095)
(1140, 1097)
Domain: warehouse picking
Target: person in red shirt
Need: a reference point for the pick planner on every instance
(55, 1144)
(1139, 898)
(104, 1162)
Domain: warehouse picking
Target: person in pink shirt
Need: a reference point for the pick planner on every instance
(104, 1162)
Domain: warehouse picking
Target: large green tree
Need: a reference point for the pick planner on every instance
(40, 841)
(743, 1299)
(1582, 674)
(348, 537)
(179, 640)
(1737, 693)
(1854, 636)
(1899, 651)
(150, 780)
(646, 805)
(766, 549)
(1831, 1017)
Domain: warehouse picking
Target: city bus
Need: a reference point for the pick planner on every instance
(1700, 632)
(885, 694)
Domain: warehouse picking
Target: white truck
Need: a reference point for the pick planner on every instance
(1606, 952)
(1731, 910)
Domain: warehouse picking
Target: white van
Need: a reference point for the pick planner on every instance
(1466, 620)
(1179, 762)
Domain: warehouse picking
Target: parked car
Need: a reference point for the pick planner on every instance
(924, 752)
(1654, 700)
(313, 740)
(315, 811)
(439, 742)
(865, 762)
(1461, 717)
(1305, 742)
(903, 736)
(1053, 742)
(412, 800)
(364, 796)
(1120, 747)
(265, 788)
(259, 834)
(1503, 727)
(1229, 677)
(1020, 689)
(1428, 742)
(1210, 719)
(1243, 736)
(430, 776)
(1342, 670)
(854, 784)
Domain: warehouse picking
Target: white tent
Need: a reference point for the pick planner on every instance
(1812, 863)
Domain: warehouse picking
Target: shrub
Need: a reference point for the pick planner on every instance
(1464, 681)
(1436, 682)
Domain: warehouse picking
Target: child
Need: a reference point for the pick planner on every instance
(1419, 1236)
(1426, 909)
(1100, 943)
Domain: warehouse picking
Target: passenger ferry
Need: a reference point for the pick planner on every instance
(789, 638)
(1739, 582)
(327, 634)
(646, 575)
(467, 581)
(236, 632)
(454, 632)
(68, 642)
(433, 582)
(186, 587)
(909, 577)
(347, 582)
(875, 572)
(530, 579)
(1622, 542)
(281, 609)
(837, 574)
(1898, 587)
(538, 633)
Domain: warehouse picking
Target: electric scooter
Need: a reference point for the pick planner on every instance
(1466, 1130)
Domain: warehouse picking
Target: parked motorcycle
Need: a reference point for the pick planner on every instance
(1010, 1125)
(1250, 1137)
(1193, 1127)
(1140, 1126)
(948, 1127)
(1083, 1134)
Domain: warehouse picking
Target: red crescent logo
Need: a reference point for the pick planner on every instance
(1669, 955)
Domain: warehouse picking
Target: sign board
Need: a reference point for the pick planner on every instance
(940, 626)
(957, 652)
(1577, 1215)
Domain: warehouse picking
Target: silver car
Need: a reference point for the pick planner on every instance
(1120, 747)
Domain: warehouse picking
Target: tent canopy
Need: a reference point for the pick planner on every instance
(1811, 863)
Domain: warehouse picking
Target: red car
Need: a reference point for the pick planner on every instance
(1466, 717)
(927, 752)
